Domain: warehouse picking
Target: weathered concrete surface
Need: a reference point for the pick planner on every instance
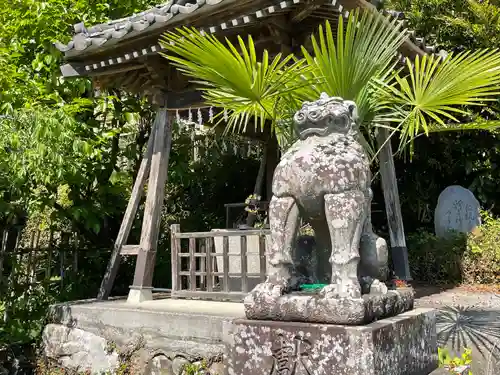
(403, 345)
(152, 337)
(75, 348)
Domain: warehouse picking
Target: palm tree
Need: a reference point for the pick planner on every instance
(426, 95)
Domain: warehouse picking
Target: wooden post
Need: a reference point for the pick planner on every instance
(175, 249)
(142, 289)
(225, 261)
(192, 264)
(209, 264)
(399, 252)
(257, 190)
(128, 218)
(244, 266)
(262, 258)
(272, 156)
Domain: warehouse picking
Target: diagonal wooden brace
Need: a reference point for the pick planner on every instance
(141, 289)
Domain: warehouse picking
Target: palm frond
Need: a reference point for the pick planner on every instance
(432, 91)
(460, 327)
(363, 49)
(233, 77)
(479, 124)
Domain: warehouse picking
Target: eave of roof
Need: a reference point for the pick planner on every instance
(101, 38)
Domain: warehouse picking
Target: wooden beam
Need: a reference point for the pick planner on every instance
(184, 99)
(305, 10)
(77, 70)
(158, 68)
(142, 286)
(128, 220)
(399, 251)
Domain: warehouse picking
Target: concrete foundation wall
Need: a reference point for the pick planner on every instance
(157, 337)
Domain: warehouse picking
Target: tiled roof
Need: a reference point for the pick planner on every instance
(99, 35)
(91, 39)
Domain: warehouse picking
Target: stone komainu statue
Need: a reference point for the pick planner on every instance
(325, 179)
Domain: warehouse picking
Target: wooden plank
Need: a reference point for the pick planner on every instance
(128, 219)
(244, 266)
(130, 249)
(392, 205)
(215, 296)
(209, 259)
(144, 268)
(75, 254)
(50, 249)
(192, 264)
(235, 233)
(225, 261)
(262, 258)
(230, 274)
(200, 255)
(175, 249)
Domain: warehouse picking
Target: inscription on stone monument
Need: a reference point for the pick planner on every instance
(291, 358)
(457, 210)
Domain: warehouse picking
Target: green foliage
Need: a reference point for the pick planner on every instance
(434, 260)
(451, 363)
(481, 262)
(453, 24)
(469, 259)
(249, 87)
(467, 158)
(196, 368)
(194, 197)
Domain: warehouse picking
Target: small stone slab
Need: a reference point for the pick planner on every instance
(312, 308)
(457, 210)
(402, 345)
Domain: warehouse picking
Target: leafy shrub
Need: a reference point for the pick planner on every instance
(469, 259)
(453, 364)
(481, 262)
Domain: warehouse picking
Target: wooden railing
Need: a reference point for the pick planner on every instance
(205, 265)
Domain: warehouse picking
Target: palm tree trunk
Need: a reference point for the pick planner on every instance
(399, 252)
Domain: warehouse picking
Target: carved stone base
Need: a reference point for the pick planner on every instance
(403, 345)
(313, 308)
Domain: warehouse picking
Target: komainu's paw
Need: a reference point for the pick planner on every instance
(350, 289)
(378, 287)
(266, 291)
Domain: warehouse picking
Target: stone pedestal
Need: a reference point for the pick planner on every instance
(401, 345)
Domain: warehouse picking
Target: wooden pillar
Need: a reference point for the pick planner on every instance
(272, 157)
(399, 252)
(141, 290)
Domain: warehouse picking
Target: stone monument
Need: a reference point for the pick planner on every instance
(457, 210)
(324, 178)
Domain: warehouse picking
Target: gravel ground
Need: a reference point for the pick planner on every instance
(459, 296)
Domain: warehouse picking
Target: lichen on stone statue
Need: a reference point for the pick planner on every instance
(324, 178)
